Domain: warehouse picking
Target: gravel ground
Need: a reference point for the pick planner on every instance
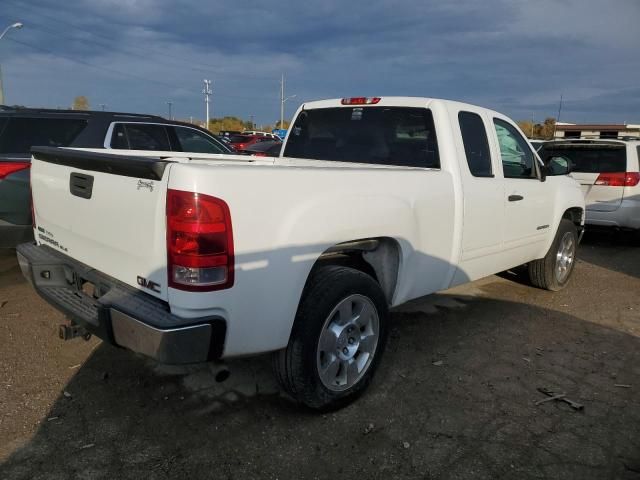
(455, 396)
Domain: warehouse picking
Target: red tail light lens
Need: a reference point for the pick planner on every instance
(618, 179)
(199, 242)
(7, 168)
(360, 101)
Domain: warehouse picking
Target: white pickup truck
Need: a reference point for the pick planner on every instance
(374, 202)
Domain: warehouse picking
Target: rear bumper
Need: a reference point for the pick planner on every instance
(117, 313)
(13, 235)
(625, 216)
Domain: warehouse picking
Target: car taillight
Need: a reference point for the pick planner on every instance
(618, 179)
(7, 168)
(360, 101)
(199, 242)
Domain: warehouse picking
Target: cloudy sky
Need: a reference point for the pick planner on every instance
(514, 56)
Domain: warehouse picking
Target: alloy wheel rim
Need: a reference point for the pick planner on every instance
(565, 257)
(347, 342)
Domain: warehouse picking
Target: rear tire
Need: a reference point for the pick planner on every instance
(554, 270)
(337, 339)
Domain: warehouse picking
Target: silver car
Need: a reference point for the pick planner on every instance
(609, 172)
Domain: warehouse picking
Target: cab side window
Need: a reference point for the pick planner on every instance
(140, 136)
(518, 160)
(476, 144)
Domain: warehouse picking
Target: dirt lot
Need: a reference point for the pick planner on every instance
(454, 398)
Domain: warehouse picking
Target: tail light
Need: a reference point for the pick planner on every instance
(7, 168)
(360, 101)
(619, 179)
(199, 242)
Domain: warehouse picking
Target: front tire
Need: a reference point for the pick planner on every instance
(337, 339)
(554, 270)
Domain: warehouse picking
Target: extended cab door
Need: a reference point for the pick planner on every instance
(528, 203)
(483, 195)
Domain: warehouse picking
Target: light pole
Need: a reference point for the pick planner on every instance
(4, 32)
(282, 100)
(170, 115)
(14, 25)
(102, 106)
(207, 93)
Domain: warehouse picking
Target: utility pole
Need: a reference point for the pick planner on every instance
(282, 100)
(1, 89)
(102, 105)
(533, 123)
(207, 92)
(170, 114)
(555, 125)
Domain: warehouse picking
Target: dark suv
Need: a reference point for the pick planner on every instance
(22, 128)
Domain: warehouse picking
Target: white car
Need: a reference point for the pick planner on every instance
(609, 172)
(374, 202)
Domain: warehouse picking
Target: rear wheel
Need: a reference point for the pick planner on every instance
(337, 339)
(554, 270)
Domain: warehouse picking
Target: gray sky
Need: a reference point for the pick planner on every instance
(515, 56)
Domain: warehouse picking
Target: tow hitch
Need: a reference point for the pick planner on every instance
(71, 331)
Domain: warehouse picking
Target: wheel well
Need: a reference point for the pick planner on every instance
(377, 257)
(575, 215)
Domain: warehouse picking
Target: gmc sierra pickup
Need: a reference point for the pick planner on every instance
(373, 202)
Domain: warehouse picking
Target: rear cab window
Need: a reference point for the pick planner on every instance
(396, 136)
(476, 144)
(21, 133)
(588, 156)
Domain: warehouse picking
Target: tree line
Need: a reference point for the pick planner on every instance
(542, 131)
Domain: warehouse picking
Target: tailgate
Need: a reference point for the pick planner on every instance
(104, 210)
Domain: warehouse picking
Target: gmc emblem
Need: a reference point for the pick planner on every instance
(153, 286)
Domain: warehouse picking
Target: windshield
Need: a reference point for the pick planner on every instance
(400, 136)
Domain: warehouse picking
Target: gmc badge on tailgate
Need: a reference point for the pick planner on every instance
(153, 286)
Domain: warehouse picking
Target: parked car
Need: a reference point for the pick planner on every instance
(264, 149)
(609, 173)
(374, 202)
(22, 128)
(272, 136)
(241, 142)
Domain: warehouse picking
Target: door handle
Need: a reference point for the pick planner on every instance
(515, 198)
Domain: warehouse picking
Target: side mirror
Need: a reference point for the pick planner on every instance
(559, 165)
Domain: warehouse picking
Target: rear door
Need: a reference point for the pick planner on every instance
(105, 210)
(589, 159)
